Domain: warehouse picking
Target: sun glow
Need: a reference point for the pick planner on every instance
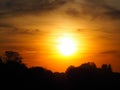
(66, 46)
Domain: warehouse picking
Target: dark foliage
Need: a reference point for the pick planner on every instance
(15, 75)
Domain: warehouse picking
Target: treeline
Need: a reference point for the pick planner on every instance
(15, 75)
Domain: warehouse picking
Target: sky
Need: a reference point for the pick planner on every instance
(33, 27)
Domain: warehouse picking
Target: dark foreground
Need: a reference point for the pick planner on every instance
(18, 76)
(15, 75)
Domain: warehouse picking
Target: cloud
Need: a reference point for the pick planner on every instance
(113, 14)
(94, 9)
(73, 12)
(89, 9)
(4, 40)
(13, 30)
(112, 52)
(79, 8)
(11, 7)
(2, 25)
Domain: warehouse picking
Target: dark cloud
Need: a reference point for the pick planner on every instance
(94, 8)
(113, 13)
(112, 52)
(108, 30)
(11, 29)
(25, 31)
(73, 12)
(4, 41)
(2, 25)
(107, 37)
(11, 7)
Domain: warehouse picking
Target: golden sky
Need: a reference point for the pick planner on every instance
(33, 28)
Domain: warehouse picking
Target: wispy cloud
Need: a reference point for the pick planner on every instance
(11, 29)
(94, 8)
(13, 7)
(112, 52)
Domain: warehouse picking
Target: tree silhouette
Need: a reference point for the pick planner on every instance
(109, 68)
(106, 68)
(14, 73)
(0, 60)
(11, 56)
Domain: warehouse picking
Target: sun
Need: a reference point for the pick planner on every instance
(66, 46)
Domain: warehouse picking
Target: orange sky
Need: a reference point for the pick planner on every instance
(33, 29)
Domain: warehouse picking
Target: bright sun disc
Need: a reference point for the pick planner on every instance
(67, 46)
